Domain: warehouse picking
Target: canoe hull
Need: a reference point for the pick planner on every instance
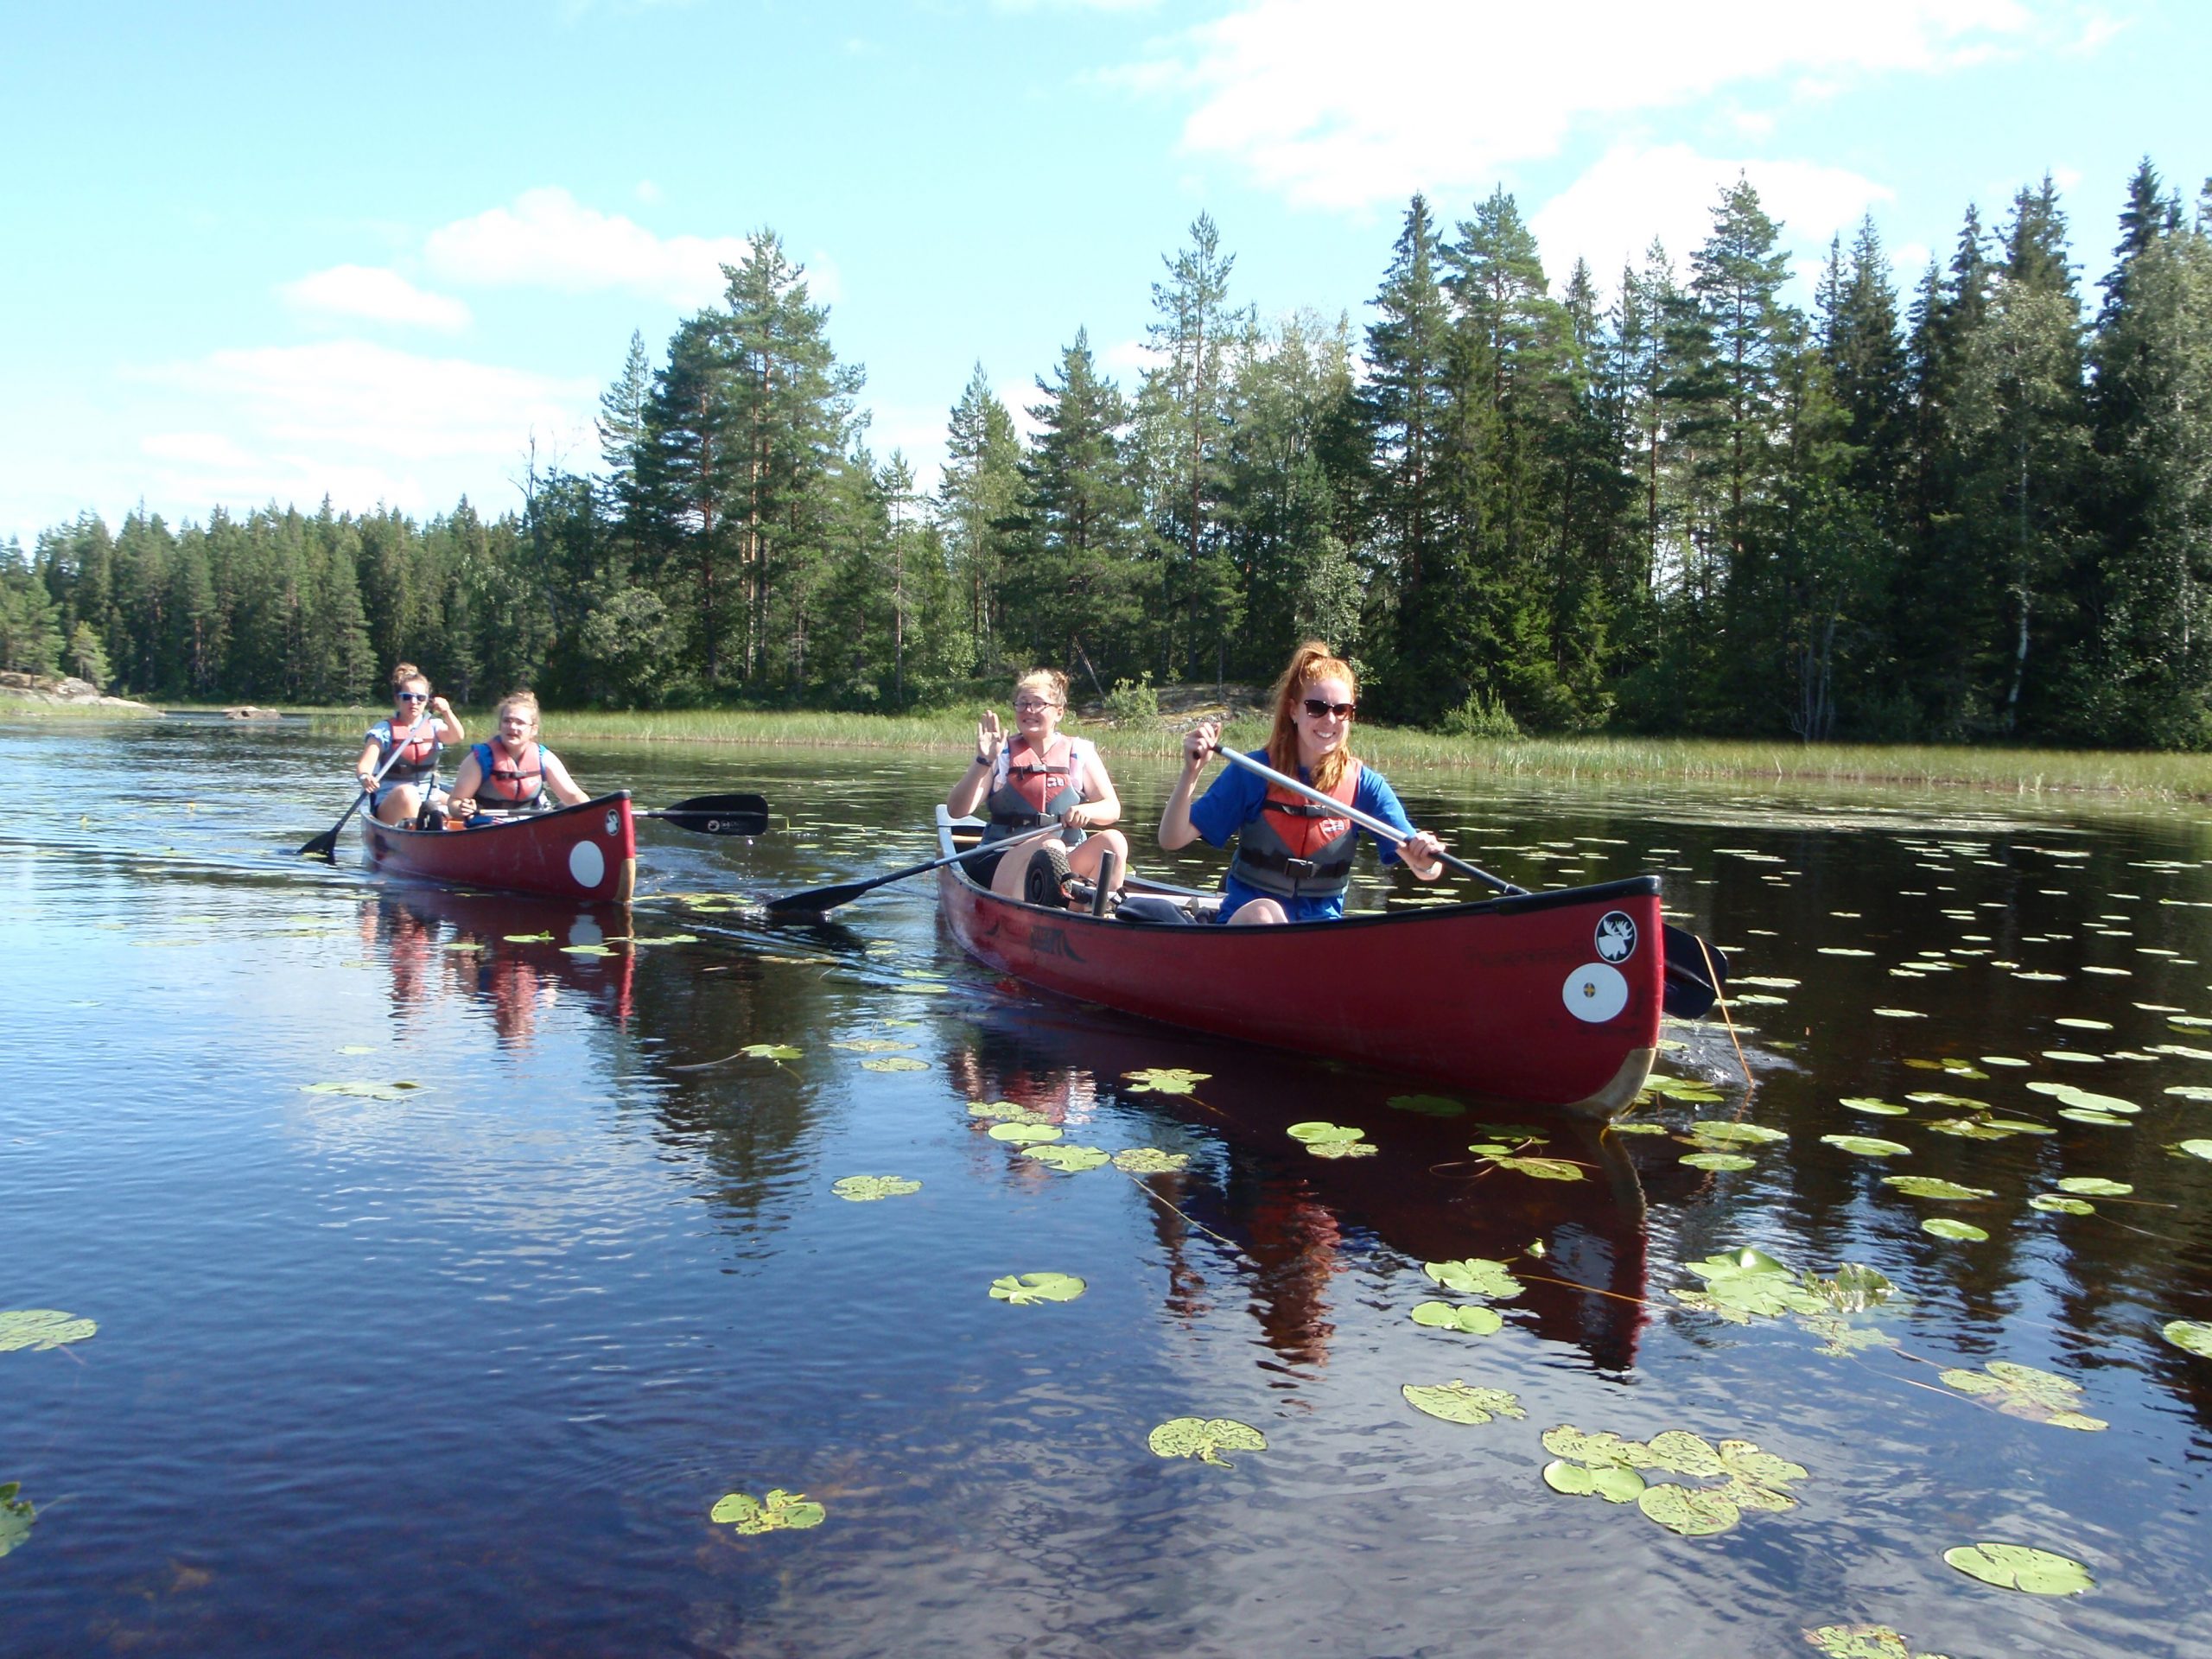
(588, 852)
(1549, 999)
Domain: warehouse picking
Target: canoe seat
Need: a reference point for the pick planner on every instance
(1152, 907)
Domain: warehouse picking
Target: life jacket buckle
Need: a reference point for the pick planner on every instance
(1299, 869)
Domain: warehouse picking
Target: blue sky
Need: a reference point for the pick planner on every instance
(263, 252)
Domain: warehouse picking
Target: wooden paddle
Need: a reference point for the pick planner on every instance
(715, 815)
(1688, 993)
(816, 902)
(326, 844)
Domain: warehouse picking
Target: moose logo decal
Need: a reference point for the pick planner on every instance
(1616, 937)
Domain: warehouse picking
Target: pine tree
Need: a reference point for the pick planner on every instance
(978, 494)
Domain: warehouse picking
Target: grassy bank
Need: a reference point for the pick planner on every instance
(1594, 760)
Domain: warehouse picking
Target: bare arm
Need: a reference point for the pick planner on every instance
(462, 803)
(1176, 829)
(564, 787)
(365, 769)
(1100, 806)
(974, 783)
(449, 723)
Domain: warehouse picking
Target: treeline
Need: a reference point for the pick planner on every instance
(1681, 504)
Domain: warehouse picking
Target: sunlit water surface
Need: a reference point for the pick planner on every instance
(464, 1370)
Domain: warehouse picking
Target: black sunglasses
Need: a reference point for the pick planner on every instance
(1318, 709)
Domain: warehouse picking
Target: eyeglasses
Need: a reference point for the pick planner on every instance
(414, 697)
(1031, 705)
(1321, 710)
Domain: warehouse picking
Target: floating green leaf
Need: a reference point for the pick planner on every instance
(1865, 1146)
(1928, 1186)
(1165, 1081)
(2066, 1094)
(1726, 1134)
(1472, 1318)
(1863, 1641)
(363, 1089)
(1026, 1289)
(1069, 1160)
(464, 946)
(1853, 1290)
(2062, 1206)
(1475, 1276)
(1025, 1133)
(1944, 1227)
(867, 1189)
(1722, 1162)
(1005, 1111)
(1428, 1105)
(1679, 1088)
(1873, 1107)
(16, 1517)
(1205, 1438)
(873, 1045)
(585, 950)
(2191, 1336)
(1460, 1403)
(1543, 1169)
(2084, 1114)
(1637, 1128)
(527, 938)
(2095, 1186)
(2023, 1391)
(1692, 1511)
(895, 1062)
(1150, 1160)
(1615, 1483)
(1331, 1140)
(776, 1052)
(2017, 1566)
(780, 1511)
(2193, 1149)
(42, 1328)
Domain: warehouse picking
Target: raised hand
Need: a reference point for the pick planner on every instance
(989, 737)
(1199, 745)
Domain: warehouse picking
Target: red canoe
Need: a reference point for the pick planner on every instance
(589, 851)
(1545, 999)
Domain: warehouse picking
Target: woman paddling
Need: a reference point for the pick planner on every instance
(514, 773)
(1294, 858)
(1037, 778)
(399, 758)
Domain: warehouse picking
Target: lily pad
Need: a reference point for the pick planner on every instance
(1324, 1134)
(1205, 1438)
(1150, 1160)
(2085, 1115)
(2191, 1336)
(585, 950)
(2062, 1206)
(873, 1045)
(780, 1511)
(527, 938)
(1475, 1276)
(2094, 1186)
(2023, 1391)
(1944, 1227)
(1863, 1641)
(1472, 1318)
(40, 1328)
(2017, 1566)
(1428, 1105)
(1460, 1403)
(1721, 1162)
(1873, 1107)
(1005, 1111)
(1543, 1169)
(1693, 1511)
(895, 1062)
(1970, 1129)
(867, 1189)
(1165, 1081)
(1929, 1187)
(1615, 1483)
(776, 1052)
(2193, 1149)
(1726, 1134)
(1025, 1134)
(1070, 1160)
(1865, 1146)
(361, 1089)
(1027, 1289)
(16, 1517)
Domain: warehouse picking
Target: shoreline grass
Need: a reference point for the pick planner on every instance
(1592, 759)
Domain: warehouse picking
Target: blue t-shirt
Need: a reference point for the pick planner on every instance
(1235, 800)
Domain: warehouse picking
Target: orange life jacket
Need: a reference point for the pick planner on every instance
(1297, 848)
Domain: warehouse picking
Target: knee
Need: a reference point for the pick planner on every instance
(1258, 912)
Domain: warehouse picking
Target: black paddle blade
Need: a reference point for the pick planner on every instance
(716, 815)
(322, 846)
(1689, 994)
(818, 901)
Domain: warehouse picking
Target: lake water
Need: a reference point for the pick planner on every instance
(464, 1367)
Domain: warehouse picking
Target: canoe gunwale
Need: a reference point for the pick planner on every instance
(418, 854)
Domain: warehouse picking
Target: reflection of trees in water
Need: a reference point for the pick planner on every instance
(1295, 1222)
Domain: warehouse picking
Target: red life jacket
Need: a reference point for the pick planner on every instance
(1034, 792)
(404, 759)
(509, 786)
(1297, 848)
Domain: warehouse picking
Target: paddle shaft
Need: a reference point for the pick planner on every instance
(1680, 974)
(815, 901)
(327, 843)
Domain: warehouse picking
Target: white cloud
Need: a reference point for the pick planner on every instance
(1609, 215)
(548, 239)
(1328, 105)
(377, 294)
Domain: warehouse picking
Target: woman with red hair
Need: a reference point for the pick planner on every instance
(1293, 856)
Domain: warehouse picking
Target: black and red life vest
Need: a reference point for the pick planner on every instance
(1031, 793)
(1297, 848)
(509, 786)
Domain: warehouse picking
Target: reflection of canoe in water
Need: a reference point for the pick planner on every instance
(526, 948)
(1299, 1218)
(1544, 999)
(587, 852)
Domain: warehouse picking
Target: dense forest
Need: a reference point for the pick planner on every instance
(1674, 502)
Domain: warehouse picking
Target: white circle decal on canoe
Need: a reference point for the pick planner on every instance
(588, 865)
(1595, 992)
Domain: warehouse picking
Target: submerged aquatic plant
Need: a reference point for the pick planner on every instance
(1205, 1438)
